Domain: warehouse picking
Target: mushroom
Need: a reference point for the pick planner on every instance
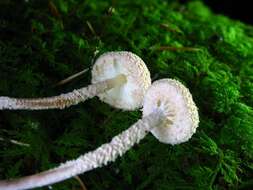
(169, 113)
(118, 78)
(177, 104)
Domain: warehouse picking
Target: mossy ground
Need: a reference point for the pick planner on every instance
(43, 42)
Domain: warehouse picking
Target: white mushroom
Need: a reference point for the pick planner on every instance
(168, 109)
(118, 78)
(177, 104)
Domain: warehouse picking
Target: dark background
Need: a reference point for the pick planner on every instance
(240, 10)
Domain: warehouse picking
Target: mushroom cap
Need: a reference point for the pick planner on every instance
(177, 105)
(128, 96)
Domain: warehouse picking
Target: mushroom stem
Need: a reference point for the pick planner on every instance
(91, 160)
(63, 100)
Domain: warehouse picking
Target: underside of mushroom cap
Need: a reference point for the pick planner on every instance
(181, 114)
(128, 96)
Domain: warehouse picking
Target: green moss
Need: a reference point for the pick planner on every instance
(41, 43)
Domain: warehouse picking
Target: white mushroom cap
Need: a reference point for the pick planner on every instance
(181, 113)
(128, 96)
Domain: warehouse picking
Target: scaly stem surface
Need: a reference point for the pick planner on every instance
(64, 100)
(101, 156)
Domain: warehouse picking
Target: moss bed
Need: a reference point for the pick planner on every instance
(43, 42)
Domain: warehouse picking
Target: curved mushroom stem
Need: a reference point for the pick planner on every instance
(63, 100)
(94, 159)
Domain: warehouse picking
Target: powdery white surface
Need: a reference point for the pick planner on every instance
(130, 95)
(94, 159)
(5, 103)
(56, 102)
(176, 101)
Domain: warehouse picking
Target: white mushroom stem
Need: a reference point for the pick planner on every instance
(91, 160)
(63, 100)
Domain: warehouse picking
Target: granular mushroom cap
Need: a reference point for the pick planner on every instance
(180, 111)
(128, 96)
